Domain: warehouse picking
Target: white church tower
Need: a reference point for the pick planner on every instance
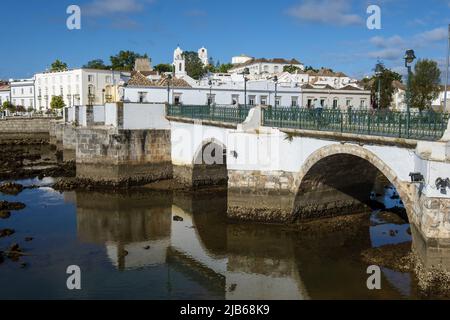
(179, 63)
(203, 55)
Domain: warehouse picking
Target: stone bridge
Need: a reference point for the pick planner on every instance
(274, 174)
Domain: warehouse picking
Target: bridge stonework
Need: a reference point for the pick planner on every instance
(273, 174)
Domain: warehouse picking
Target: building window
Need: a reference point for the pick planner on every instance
(31, 103)
(322, 102)
(31, 90)
(108, 79)
(22, 91)
(142, 96)
(363, 103)
(294, 101)
(309, 103)
(263, 100)
(277, 101)
(210, 99)
(251, 100)
(22, 102)
(177, 99)
(335, 103)
(90, 78)
(348, 102)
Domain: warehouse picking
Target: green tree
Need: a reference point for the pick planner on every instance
(290, 69)
(384, 80)
(124, 60)
(58, 65)
(164, 67)
(96, 64)
(57, 103)
(224, 68)
(8, 106)
(425, 84)
(194, 66)
(310, 68)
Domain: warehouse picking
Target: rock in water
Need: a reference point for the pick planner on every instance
(5, 205)
(11, 188)
(5, 214)
(6, 233)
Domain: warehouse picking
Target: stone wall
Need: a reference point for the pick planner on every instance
(25, 125)
(123, 157)
(200, 175)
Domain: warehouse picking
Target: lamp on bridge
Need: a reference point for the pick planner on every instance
(378, 73)
(275, 79)
(169, 78)
(409, 59)
(246, 72)
(210, 92)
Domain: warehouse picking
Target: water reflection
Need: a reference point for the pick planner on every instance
(135, 228)
(188, 235)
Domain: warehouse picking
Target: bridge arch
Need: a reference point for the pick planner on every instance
(355, 157)
(209, 164)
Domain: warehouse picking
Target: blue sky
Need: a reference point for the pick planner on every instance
(330, 33)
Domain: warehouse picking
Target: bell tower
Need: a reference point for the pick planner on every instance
(179, 63)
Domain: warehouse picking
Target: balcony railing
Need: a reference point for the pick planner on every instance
(228, 114)
(426, 125)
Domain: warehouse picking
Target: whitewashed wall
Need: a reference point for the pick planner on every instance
(111, 114)
(82, 119)
(139, 116)
(99, 114)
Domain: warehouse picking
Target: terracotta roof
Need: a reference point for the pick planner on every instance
(275, 60)
(174, 82)
(140, 80)
(350, 87)
(5, 87)
(323, 72)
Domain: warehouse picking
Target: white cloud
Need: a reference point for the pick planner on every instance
(387, 54)
(393, 48)
(434, 35)
(108, 7)
(334, 12)
(382, 42)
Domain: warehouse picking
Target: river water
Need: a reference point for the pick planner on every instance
(171, 245)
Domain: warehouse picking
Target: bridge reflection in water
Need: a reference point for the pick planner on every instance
(188, 238)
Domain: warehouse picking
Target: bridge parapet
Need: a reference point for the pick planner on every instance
(417, 125)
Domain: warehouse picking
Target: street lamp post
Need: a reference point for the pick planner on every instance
(245, 73)
(210, 93)
(378, 73)
(169, 78)
(409, 59)
(275, 79)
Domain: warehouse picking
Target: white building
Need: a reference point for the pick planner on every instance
(240, 59)
(22, 93)
(327, 77)
(265, 66)
(5, 93)
(259, 92)
(399, 96)
(77, 87)
(438, 104)
(203, 55)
